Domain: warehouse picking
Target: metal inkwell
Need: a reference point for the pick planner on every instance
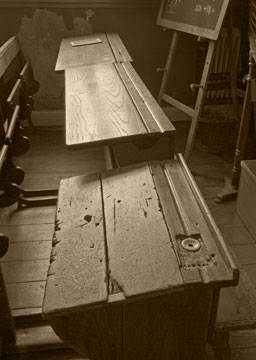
(191, 244)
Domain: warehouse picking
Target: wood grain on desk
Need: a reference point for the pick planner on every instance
(72, 56)
(98, 106)
(110, 50)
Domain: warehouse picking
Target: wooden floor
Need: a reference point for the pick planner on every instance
(30, 230)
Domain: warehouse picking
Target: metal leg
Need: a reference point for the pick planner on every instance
(37, 197)
(32, 202)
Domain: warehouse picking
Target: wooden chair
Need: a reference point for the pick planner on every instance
(13, 65)
(15, 106)
(10, 175)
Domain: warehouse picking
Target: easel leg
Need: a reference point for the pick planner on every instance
(200, 99)
(168, 66)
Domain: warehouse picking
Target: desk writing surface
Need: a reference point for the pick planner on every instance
(98, 106)
(140, 214)
(110, 50)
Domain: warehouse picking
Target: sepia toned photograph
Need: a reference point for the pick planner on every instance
(127, 179)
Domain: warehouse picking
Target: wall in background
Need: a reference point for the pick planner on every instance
(40, 30)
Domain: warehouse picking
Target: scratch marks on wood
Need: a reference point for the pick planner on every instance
(122, 234)
(88, 218)
(57, 225)
(114, 215)
(78, 265)
(114, 286)
(141, 257)
(147, 199)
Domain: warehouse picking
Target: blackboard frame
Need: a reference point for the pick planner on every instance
(194, 30)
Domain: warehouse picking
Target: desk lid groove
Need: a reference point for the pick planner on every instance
(118, 48)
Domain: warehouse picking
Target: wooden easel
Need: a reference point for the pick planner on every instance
(178, 22)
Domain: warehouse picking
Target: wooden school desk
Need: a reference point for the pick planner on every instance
(137, 261)
(107, 104)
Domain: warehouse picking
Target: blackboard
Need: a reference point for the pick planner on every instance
(198, 17)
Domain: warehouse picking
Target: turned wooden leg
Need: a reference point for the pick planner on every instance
(33, 87)
(21, 143)
(10, 195)
(28, 111)
(13, 174)
(4, 244)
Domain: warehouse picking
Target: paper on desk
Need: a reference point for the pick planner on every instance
(82, 42)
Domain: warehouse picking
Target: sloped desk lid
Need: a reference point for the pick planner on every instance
(119, 237)
(108, 104)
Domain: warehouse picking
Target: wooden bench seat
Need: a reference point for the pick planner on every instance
(13, 66)
(122, 270)
(108, 104)
(17, 87)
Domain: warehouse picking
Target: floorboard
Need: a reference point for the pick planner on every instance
(224, 214)
(66, 354)
(25, 271)
(30, 232)
(245, 253)
(236, 235)
(31, 250)
(251, 271)
(26, 295)
(27, 216)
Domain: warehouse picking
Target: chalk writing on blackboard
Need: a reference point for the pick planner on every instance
(193, 15)
(202, 13)
(208, 9)
(172, 6)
